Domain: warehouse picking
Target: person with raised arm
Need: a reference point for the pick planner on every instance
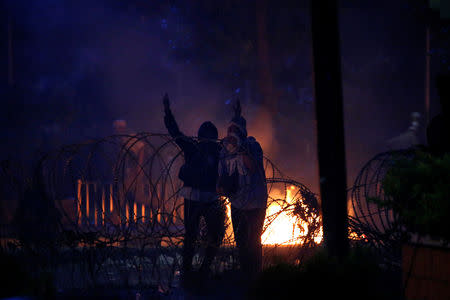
(199, 175)
(242, 179)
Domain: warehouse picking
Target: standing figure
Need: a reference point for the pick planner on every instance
(242, 179)
(199, 174)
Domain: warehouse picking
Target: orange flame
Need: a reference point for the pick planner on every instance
(285, 228)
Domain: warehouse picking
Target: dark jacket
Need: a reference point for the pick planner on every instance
(199, 153)
(251, 190)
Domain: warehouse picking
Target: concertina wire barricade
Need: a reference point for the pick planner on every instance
(108, 212)
(378, 226)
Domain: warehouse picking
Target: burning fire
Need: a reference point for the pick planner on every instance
(286, 228)
(282, 227)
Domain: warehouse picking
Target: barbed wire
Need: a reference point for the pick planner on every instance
(109, 212)
(379, 226)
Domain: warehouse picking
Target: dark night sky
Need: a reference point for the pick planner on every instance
(81, 64)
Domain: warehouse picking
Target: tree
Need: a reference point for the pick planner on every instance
(330, 125)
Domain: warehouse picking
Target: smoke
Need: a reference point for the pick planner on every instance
(383, 77)
(110, 63)
(100, 60)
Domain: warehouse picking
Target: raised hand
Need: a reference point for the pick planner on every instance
(237, 108)
(166, 102)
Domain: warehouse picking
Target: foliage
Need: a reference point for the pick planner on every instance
(418, 191)
(359, 276)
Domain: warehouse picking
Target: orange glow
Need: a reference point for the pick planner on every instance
(229, 229)
(286, 229)
(355, 237)
(127, 214)
(110, 198)
(87, 200)
(135, 212)
(95, 213)
(143, 213)
(79, 201)
(103, 206)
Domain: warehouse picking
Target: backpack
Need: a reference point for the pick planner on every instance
(200, 168)
(256, 153)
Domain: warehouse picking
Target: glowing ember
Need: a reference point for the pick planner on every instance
(357, 237)
(284, 227)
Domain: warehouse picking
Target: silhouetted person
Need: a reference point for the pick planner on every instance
(199, 174)
(438, 131)
(242, 179)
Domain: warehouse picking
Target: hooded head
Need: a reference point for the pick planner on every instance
(238, 126)
(120, 126)
(208, 131)
(231, 143)
(236, 134)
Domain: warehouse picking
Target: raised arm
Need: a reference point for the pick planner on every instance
(237, 108)
(186, 144)
(169, 119)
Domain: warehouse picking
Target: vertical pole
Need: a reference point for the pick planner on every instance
(150, 215)
(127, 214)
(427, 76)
(87, 201)
(79, 197)
(111, 198)
(330, 125)
(95, 204)
(103, 205)
(95, 213)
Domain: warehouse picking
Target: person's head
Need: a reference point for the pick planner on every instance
(120, 126)
(238, 126)
(231, 143)
(443, 89)
(208, 131)
(236, 134)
